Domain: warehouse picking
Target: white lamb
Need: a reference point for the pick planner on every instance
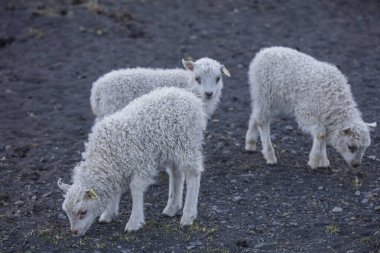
(283, 80)
(161, 129)
(116, 89)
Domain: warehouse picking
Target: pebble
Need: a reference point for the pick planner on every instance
(357, 193)
(46, 194)
(61, 216)
(216, 209)
(289, 127)
(364, 201)
(337, 209)
(377, 208)
(19, 203)
(196, 243)
(237, 198)
(372, 157)
(320, 188)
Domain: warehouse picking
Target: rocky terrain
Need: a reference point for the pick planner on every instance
(50, 53)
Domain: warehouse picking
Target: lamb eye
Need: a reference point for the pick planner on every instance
(198, 79)
(218, 79)
(82, 214)
(352, 148)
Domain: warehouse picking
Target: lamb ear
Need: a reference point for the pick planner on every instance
(64, 187)
(91, 194)
(189, 65)
(225, 71)
(373, 124)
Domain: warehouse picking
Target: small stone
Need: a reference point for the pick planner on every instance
(320, 188)
(223, 222)
(242, 243)
(372, 157)
(364, 201)
(357, 193)
(61, 216)
(19, 203)
(237, 198)
(197, 243)
(46, 194)
(377, 208)
(288, 127)
(337, 209)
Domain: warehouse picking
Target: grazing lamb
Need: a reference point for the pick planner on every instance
(116, 89)
(161, 129)
(283, 80)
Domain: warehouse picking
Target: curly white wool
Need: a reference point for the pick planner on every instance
(283, 80)
(114, 90)
(163, 128)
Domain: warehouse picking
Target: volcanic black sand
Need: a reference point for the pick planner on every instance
(52, 51)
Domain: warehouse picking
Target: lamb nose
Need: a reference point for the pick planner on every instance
(74, 231)
(355, 165)
(208, 94)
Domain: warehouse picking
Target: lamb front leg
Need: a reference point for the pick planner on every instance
(137, 186)
(111, 211)
(318, 154)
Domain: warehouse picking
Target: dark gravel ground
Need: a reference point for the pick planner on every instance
(51, 52)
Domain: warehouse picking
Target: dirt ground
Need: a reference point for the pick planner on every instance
(52, 51)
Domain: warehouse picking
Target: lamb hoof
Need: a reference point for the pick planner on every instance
(133, 226)
(250, 146)
(104, 219)
(270, 158)
(171, 210)
(321, 163)
(187, 220)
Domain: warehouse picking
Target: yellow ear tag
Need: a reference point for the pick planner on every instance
(226, 72)
(92, 194)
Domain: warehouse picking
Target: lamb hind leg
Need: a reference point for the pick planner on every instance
(176, 182)
(252, 134)
(318, 154)
(138, 186)
(268, 151)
